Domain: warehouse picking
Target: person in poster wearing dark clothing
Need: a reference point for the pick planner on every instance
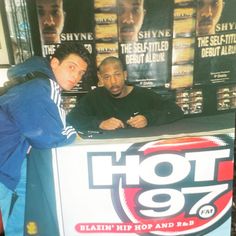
(51, 17)
(117, 105)
(31, 116)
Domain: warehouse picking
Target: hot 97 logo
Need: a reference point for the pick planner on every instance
(180, 186)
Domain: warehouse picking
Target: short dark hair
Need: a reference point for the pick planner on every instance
(65, 49)
(111, 59)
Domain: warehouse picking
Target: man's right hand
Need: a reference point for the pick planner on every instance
(111, 124)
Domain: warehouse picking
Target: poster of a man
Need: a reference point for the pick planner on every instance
(208, 15)
(144, 29)
(130, 19)
(51, 17)
(215, 57)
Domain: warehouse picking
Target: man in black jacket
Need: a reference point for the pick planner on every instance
(117, 105)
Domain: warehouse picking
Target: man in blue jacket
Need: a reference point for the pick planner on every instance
(31, 116)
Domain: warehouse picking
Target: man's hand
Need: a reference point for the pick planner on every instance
(111, 124)
(138, 121)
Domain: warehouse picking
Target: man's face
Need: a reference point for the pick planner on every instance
(130, 19)
(112, 77)
(69, 71)
(51, 20)
(208, 15)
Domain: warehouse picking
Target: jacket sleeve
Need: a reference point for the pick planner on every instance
(38, 117)
(82, 117)
(164, 111)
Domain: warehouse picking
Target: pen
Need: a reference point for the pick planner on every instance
(79, 132)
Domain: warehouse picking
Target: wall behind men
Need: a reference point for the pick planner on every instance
(168, 55)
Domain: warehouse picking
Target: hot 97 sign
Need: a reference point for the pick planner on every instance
(180, 186)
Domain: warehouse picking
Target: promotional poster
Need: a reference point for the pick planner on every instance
(143, 191)
(145, 33)
(216, 45)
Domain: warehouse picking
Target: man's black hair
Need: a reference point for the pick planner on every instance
(64, 49)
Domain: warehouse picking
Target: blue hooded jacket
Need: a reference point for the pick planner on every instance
(30, 115)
